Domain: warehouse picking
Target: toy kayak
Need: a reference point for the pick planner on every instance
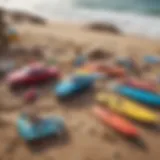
(116, 122)
(144, 85)
(112, 71)
(146, 97)
(152, 59)
(75, 84)
(44, 128)
(127, 108)
(32, 74)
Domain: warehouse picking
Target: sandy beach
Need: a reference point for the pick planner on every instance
(89, 139)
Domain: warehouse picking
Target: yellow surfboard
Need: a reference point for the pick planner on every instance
(128, 108)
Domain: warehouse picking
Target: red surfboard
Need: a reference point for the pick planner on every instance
(116, 122)
(141, 85)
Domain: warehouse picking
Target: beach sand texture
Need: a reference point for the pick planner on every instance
(89, 139)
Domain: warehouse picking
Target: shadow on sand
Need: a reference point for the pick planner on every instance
(83, 99)
(49, 142)
(19, 90)
(137, 142)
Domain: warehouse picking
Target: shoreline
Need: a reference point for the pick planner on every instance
(129, 23)
(76, 32)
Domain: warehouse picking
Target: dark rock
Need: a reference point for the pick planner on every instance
(104, 27)
(37, 20)
(19, 16)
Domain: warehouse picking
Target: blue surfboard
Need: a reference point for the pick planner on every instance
(142, 96)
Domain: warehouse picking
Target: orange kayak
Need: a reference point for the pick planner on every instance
(115, 121)
(112, 71)
(109, 70)
(144, 85)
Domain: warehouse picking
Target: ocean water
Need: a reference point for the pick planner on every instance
(140, 17)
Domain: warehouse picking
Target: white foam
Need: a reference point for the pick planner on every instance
(65, 10)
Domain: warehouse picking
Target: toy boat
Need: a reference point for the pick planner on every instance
(75, 84)
(44, 128)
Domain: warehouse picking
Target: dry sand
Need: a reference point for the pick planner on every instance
(89, 140)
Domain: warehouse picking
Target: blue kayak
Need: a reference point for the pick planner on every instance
(141, 96)
(75, 84)
(152, 59)
(42, 129)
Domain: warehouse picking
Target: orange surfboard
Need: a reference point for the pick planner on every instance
(116, 122)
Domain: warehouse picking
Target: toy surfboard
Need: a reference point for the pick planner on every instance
(128, 108)
(145, 97)
(116, 122)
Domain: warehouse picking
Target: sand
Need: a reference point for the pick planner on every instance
(89, 139)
